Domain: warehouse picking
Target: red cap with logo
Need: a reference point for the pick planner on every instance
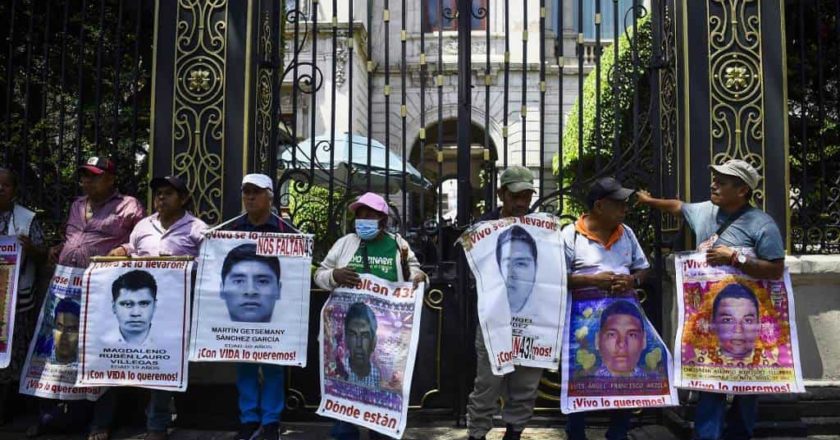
(99, 165)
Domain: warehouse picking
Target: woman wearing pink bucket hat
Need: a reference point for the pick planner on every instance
(372, 250)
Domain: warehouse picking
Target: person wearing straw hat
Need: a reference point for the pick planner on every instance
(170, 231)
(731, 232)
(370, 249)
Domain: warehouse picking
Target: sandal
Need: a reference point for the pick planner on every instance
(99, 434)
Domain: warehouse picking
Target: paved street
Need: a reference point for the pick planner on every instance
(320, 431)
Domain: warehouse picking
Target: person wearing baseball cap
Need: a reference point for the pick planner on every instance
(518, 388)
(603, 252)
(371, 249)
(261, 402)
(98, 221)
(731, 232)
(170, 231)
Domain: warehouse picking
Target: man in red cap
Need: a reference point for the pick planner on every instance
(100, 220)
(371, 249)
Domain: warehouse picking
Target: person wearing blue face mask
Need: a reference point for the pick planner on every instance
(373, 250)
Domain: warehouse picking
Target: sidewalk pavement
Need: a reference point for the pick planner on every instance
(320, 431)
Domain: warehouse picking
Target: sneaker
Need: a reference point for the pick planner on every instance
(248, 431)
(270, 431)
(510, 434)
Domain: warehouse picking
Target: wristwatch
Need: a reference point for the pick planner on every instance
(741, 260)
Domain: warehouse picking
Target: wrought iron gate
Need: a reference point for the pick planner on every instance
(456, 91)
(424, 101)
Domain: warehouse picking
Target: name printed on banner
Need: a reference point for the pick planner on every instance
(136, 358)
(237, 334)
(246, 355)
(350, 410)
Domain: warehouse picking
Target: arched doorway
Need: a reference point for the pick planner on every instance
(436, 158)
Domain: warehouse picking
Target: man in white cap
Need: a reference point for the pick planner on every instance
(260, 405)
(519, 388)
(373, 250)
(731, 232)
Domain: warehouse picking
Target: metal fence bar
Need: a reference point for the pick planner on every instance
(523, 109)
(387, 92)
(97, 115)
(7, 138)
(27, 107)
(403, 115)
(115, 136)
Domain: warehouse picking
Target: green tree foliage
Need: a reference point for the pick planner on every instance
(74, 90)
(597, 139)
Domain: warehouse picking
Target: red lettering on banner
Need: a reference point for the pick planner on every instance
(345, 410)
(229, 353)
(380, 419)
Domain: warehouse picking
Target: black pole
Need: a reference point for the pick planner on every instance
(464, 146)
(464, 110)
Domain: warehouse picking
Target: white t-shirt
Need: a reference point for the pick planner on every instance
(587, 256)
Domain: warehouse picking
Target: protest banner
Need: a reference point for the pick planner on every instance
(736, 334)
(520, 272)
(252, 298)
(613, 357)
(52, 361)
(368, 340)
(9, 272)
(134, 323)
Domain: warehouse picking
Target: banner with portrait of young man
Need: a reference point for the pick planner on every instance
(135, 323)
(736, 334)
(9, 272)
(520, 273)
(613, 357)
(252, 298)
(53, 359)
(368, 340)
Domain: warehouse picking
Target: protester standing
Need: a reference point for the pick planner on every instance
(518, 388)
(603, 252)
(170, 231)
(16, 220)
(731, 232)
(351, 255)
(98, 221)
(260, 406)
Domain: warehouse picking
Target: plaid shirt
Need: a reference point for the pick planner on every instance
(372, 380)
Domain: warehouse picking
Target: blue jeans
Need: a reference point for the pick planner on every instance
(158, 414)
(258, 405)
(619, 425)
(711, 415)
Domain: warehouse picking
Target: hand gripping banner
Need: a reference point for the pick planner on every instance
(368, 343)
(135, 322)
(9, 273)
(53, 359)
(736, 334)
(252, 298)
(613, 357)
(520, 272)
